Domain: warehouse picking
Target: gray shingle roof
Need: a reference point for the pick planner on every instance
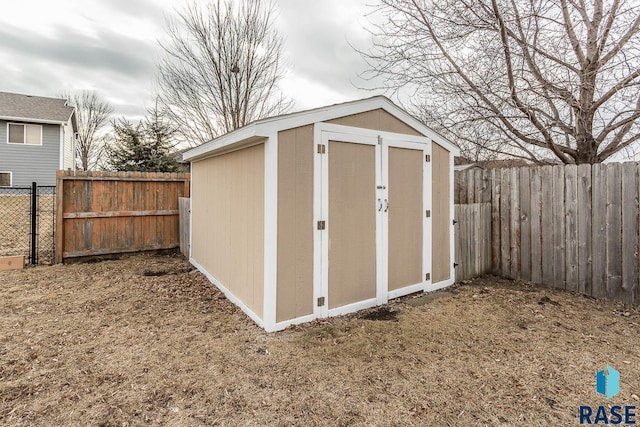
(18, 106)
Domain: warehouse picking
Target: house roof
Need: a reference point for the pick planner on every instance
(265, 127)
(37, 109)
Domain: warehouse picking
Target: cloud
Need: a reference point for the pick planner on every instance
(110, 52)
(318, 39)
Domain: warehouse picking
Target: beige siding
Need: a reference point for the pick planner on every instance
(228, 222)
(377, 120)
(295, 223)
(352, 223)
(405, 217)
(441, 200)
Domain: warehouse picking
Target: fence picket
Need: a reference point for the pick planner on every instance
(629, 231)
(546, 225)
(536, 218)
(584, 215)
(495, 221)
(598, 224)
(514, 214)
(558, 227)
(525, 223)
(505, 222)
(614, 231)
(571, 227)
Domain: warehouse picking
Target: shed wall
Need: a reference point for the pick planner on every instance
(378, 120)
(68, 146)
(441, 225)
(295, 223)
(228, 222)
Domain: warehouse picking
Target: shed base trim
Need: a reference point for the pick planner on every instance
(406, 290)
(298, 320)
(352, 308)
(440, 285)
(231, 297)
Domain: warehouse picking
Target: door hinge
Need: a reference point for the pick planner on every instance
(427, 276)
(428, 213)
(321, 225)
(320, 301)
(455, 264)
(322, 148)
(455, 222)
(427, 158)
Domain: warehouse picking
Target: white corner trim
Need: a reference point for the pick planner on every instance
(61, 148)
(227, 293)
(427, 232)
(452, 236)
(317, 216)
(190, 254)
(270, 231)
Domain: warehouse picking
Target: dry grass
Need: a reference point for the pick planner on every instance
(118, 343)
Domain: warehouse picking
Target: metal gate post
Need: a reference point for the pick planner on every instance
(34, 224)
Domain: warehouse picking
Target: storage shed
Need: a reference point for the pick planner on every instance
(323, 212)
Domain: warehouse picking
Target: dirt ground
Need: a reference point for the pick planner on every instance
(146, 340)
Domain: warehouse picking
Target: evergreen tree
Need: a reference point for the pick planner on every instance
(144, 147)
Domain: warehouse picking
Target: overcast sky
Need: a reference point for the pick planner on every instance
(111, 46)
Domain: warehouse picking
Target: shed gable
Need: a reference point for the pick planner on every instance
(377, 119)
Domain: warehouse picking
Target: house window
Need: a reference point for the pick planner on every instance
(5, 179)
(24, 134)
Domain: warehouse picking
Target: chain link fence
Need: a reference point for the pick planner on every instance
(27, 222)
(46, 225)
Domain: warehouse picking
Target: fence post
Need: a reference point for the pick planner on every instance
(59, 237)
(34, 223)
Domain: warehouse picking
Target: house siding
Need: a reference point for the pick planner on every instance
(68, 146)
(30, 163)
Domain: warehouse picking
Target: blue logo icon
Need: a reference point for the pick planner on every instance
(608, 383)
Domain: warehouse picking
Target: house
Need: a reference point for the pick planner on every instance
(36, 139)
(323, 212)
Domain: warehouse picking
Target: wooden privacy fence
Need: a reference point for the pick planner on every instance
(571, 227)
(472, 240)
(100, 213)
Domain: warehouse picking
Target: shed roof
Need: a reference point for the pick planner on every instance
(39, 109)
(263, 128)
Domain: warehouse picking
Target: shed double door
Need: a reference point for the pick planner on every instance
(373, 239)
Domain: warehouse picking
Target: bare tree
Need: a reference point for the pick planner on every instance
(92, 114)
(551, 79)
(221, 68)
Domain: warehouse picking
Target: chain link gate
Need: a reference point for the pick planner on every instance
(27, 222)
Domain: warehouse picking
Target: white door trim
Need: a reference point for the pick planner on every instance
(323, 133)
(321, 286)
(425, 148)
